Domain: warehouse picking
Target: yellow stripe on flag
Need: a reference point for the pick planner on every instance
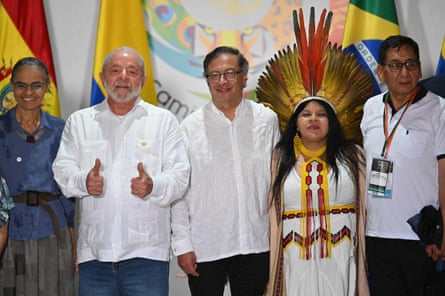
(121, 23)
(362, 25)
(441, 64)
(443, 48)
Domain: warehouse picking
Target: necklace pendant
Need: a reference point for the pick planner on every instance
(30, 139)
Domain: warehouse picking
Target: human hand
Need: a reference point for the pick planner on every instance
(3, 236)
(95, 182)
(142, 185)
(435, 253)
(187, 262)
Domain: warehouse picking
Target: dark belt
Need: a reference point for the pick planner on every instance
(41, 199)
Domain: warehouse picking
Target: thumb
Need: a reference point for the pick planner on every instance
(96, 167)
(141, 171)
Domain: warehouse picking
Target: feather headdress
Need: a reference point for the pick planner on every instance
(315, 67)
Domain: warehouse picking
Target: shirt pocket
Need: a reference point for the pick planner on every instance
(91, 230)
(148, 152)
(413, 143)
(92, 150)
(143, 226)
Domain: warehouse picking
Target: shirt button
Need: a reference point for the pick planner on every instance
(18, 159)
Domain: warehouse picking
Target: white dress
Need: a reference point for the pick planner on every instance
(335, 275)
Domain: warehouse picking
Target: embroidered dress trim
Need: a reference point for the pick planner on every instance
(314, 188)
(335, 210)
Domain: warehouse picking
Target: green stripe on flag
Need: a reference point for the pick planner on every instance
(382, 8)
(362, 25)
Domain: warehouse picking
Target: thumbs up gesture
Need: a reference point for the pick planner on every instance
(95, 182)
(142, 185)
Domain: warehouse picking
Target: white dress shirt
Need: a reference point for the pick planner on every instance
(230, 177)
(418, 143)
(117, 225)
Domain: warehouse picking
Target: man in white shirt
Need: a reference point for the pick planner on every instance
(126, 162)
(220, 230)
(404, 139)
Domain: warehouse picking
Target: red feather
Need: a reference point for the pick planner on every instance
(312, 55)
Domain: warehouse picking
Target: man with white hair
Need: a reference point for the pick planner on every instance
(125, 161)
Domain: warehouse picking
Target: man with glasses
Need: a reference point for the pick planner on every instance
(221, 230)
(404, 139)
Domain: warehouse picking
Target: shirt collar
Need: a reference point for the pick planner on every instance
(420, 95)
(44, 120)
(103, 109)
(239, 109)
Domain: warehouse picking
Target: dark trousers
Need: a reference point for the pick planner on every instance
(397, 267)
(247, 275)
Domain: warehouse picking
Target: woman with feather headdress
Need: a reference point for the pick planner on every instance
(316, 214)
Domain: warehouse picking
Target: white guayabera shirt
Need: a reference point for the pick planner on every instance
(118, 225)
(230, 178)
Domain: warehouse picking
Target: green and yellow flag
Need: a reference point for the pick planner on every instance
(368, 23)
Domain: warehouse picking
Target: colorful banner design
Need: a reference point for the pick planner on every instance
(368, 23)
(24, 33)
(182, 32)
(121, 23)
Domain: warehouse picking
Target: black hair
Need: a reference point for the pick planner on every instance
(243, 64)
(338, 148)
(30, 61)
(397, 41)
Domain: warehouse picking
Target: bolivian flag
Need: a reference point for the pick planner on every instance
(23, 33)
(121, 23)
(368, 23)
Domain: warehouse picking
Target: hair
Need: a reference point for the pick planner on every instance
(127, 49)
(243, 64)
(338, 148)
(30, 61)
(397, 41)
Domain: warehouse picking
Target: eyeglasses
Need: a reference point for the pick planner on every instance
(35, 86)
(230, 75)
(397, 66)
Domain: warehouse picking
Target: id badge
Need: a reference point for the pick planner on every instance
(380, 178)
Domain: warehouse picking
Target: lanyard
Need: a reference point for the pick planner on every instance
(389, 136)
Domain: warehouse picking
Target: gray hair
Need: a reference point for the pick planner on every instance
(126, 49)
